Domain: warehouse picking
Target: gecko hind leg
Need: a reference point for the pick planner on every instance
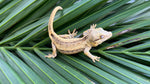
(70, 35)
(54, 53)
(94, 58)
(73, 34)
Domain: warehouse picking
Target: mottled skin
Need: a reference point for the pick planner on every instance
(67, 44)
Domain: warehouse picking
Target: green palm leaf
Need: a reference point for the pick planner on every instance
(125, 58)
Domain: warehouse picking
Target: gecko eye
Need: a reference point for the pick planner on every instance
(102, 36)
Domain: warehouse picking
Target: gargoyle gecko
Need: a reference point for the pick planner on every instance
(67, 44)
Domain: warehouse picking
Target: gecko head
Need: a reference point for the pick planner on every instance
(97, 36)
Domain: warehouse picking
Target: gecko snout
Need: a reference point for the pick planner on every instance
(109, 34)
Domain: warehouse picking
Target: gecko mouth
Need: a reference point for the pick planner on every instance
(96, 40)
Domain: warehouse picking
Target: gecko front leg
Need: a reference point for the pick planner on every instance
(54, 53)
(86, 52)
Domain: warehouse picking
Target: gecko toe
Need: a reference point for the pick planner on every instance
(95, 58)
(98, 58)
(50, 56)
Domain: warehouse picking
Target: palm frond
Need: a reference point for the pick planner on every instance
(125, 58)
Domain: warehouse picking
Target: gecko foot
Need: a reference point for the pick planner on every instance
(50, 56)
(73, 34)
(95, 58)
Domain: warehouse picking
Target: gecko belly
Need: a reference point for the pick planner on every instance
(71, 51)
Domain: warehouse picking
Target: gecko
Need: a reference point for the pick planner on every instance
(68, 44)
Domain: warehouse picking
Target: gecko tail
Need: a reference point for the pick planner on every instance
(51, 19)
